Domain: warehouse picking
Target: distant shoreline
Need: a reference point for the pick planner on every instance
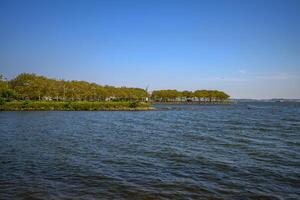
(193, 102)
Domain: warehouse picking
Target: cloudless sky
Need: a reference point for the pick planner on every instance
(250, 49)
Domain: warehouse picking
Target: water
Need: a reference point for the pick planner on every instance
(242, 151)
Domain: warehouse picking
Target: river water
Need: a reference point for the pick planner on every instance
(240, 151)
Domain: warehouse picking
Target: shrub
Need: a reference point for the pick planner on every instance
(133, 104)
(2, 101)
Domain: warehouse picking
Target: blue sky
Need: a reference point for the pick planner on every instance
(250, 49)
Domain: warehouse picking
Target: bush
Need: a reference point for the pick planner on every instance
(133, 104)
(2, 101)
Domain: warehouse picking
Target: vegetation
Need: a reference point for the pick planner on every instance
(198, 96)
(34, 92)
(33, 87)
(73, 105)
(6, 93)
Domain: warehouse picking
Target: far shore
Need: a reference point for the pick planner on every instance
(192, 102)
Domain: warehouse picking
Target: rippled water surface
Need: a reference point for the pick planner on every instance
(241, 151)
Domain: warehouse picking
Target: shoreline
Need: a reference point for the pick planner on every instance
(74, 106)
(125, 109)
(192, 103)
(93, 105)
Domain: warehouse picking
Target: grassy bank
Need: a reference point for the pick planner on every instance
(72, 105)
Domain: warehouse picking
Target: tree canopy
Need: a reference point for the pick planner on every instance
(28, 86)
(35, 87)
(198, 95)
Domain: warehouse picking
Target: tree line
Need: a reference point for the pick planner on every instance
(34, 87)
(26, 86)
(198, 95)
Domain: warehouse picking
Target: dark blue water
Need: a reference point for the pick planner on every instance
(241, 151)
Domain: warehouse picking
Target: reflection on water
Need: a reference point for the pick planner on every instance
(178, 152)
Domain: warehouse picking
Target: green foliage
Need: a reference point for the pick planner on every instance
(2, 101)
(165, 95)
(34, 87)
(133, 104)
(74, 105)
(200, 95)
(6, 93)
(187, 94)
